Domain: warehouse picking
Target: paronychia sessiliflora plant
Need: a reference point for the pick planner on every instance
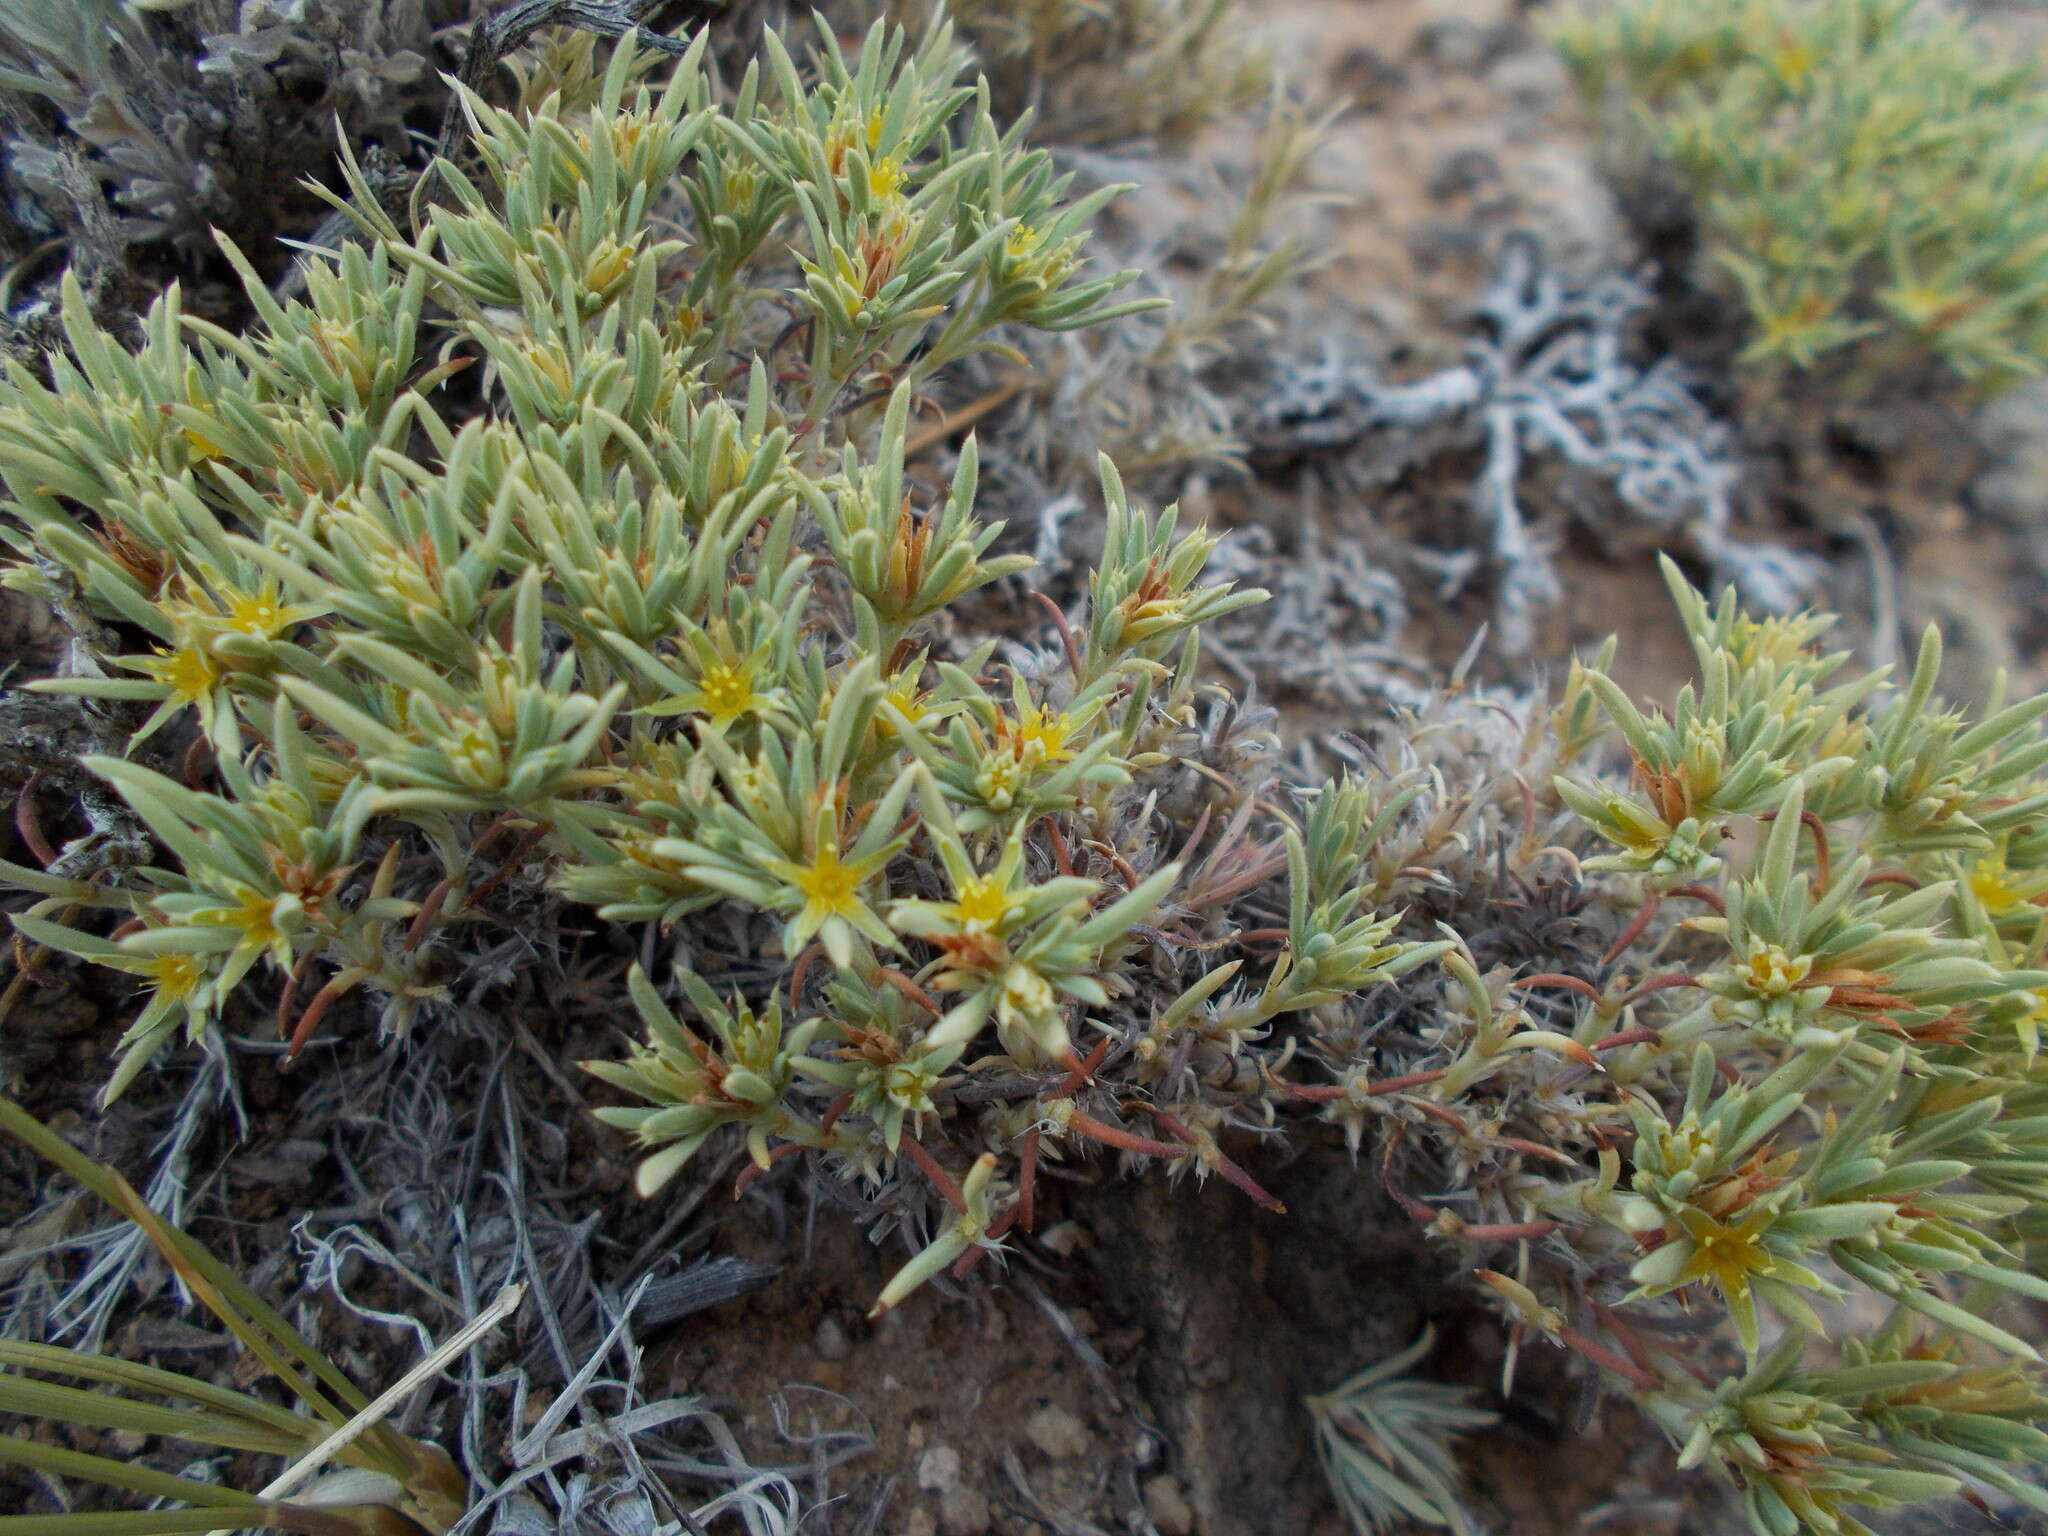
(1866, 171)
(571, 536)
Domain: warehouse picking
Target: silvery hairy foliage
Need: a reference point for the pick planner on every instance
(1546, 376)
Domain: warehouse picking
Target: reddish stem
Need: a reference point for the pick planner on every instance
(1080, 1074)
(512, 861)
(1066, 630)
(1507, 1232)
(1633, 931)
(193, 765)
(1187, 849)
(1701, 893)
(490, 834)
(1823, 863)
(1629, 1341)
(1553, 979)
(941, 1180)
(1640, 1036)
(316, 1010)
(1261, 935)
(1399, 1084)
(292, 981)
(1121, 864)
(1060, 856)
(1536, 1149)
(754, 1171)
(1600, 1354)
(912, 990)
(1415, 1208)
(1231, 1172)
(1528, 797)
(1444, 1113)
(29, 826)
(833, 1111)
(1122, 1140)
(423, 919)
(1314, 1093)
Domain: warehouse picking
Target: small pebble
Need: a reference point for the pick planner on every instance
(1463, 171)
(938, 1468)
(1057, 1433)
(1065, 1238)
(1167, 1507)
(1368, 79)
(921, 1522)
(1145, 1451)
(1453, 45)
(832, 1341)
(1535, 81)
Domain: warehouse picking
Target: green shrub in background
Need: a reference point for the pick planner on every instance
(1865, 171)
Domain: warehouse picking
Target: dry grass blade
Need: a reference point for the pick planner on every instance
(418, 1478)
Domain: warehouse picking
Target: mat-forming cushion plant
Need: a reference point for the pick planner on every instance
(1868, 173)
(566, 535)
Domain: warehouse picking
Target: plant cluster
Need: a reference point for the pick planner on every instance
(1791, 1066)
(1866, 171)
(1384, 1439)
(571, 541)
(1096, 71)
(157, 122)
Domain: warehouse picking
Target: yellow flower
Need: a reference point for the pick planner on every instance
(1991, 882)
(1731, 1256)
(885, 178)
(255, 913)
(1041, 737)
(1773, 973)
(1793, 65)
(188, 672)
(175, 976)
(829, 886)
(261, 614)
(728, 692)
(980, 905)
(2000, 888)
(904, 695)
(832, 908)
(725, 685)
